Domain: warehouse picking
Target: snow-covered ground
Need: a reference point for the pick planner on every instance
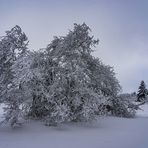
(109, 132)
(143, 112)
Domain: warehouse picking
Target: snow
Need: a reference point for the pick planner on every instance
(107, 132)
(143, 112)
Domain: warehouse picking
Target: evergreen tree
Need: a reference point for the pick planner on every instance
(142, 92)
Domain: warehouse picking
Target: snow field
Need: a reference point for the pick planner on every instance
(108, 132)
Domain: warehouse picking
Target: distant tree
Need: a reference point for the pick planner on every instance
(142, 92)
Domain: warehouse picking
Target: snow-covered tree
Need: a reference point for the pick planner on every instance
(142, 92)
(28, 78)
(66, 82)
(62, 82)
(72, 77)
(79, 78)
(121, 107)
(12, 45)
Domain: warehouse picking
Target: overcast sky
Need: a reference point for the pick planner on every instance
(120, 25)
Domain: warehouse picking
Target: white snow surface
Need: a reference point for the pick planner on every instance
(107, 132)
(143, 112)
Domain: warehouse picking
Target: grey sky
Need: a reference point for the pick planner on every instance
(121, 26)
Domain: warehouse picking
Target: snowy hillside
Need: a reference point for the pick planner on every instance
(107, 132)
